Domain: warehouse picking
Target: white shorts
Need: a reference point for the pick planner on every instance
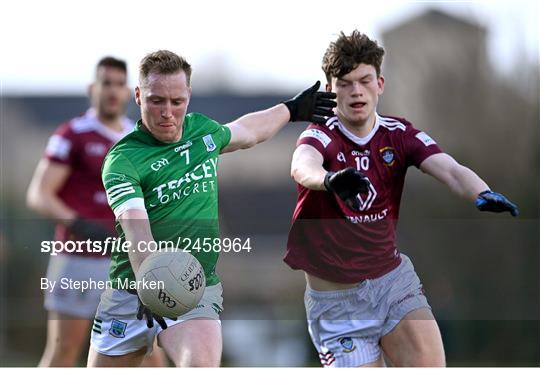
(71, 301)
(347, 325)
(117, 331)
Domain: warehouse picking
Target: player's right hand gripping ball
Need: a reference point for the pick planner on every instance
(347, 184)
(495, 202)
(311, 105)
(144, 312)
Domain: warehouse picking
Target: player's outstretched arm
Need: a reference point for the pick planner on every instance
(466, 183)
(253, 128)
(307, 168)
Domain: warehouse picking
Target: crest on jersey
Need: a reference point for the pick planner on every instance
(347, 344)
(387, 155)
(341, 157)
(209, 142)
(118, 329)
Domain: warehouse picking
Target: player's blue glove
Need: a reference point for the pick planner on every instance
(347, 184)
(311, 105)
(495, 202)
(144, 311)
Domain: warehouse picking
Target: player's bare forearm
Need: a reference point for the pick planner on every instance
(307, 169)
(136, 227)
(310, 177)
(460, 179)
(257, 127)
(466, 183)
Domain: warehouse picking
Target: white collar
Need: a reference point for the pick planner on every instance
(104, 130)
(360, 140)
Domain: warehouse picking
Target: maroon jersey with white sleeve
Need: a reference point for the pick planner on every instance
(334, 242)
(82, 144)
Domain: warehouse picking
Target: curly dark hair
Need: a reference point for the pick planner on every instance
(347, 52)
(163, 62)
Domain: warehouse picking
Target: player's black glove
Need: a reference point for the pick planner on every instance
(87, 229)
(495, 202)
(347, 184)
(144, 311)
(311, 105)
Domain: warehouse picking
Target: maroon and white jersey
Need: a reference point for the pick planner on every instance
(82, 144)
(334, 242)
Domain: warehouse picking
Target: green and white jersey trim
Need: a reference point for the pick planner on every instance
(118, 191)
(133, 203)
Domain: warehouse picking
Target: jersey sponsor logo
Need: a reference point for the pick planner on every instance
(118, 191)
(196, 181)
(183, 147)
(365, 203)
(95, 149)
(366, 200)
(318, 135)
(209, 142)
(58, 147)
(360, 153)
(368, 218)
(157, 165)
(387, 155)
(425, 139)
(118, 328)
(348, 344)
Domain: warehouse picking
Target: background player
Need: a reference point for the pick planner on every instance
(161, 183)
(362, 294)
(66, 188)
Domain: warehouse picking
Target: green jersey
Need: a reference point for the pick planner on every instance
(175, 182)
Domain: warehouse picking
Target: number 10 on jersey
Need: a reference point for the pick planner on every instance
(362, 163)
